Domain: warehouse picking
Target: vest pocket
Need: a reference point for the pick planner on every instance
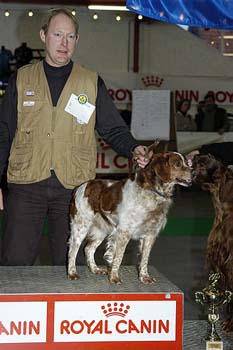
(21, 155)
(19, 162)
(82, 165)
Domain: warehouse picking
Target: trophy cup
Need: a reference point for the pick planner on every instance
(213, 298)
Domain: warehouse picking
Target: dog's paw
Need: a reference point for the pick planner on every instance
(100, 270)
(147, 279)
(73, 276)
(115, 280)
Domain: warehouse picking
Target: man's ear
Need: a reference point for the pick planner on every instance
(42, 35)
(77, 39)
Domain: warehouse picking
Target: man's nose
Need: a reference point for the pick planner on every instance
(64, 40)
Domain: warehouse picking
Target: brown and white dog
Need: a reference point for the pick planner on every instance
(123, 210)
(218, 180)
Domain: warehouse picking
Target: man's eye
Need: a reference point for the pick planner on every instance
(71, 37)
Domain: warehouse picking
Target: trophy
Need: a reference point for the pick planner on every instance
(213, 298)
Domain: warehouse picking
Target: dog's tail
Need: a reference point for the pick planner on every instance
(110, 247)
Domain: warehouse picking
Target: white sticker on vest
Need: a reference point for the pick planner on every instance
(30, 93)
(28, 103)
(80, 108)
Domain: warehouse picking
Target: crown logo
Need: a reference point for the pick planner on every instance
(152, 80)
(115, 309)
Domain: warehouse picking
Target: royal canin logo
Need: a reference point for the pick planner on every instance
(116, 320)
(115, 309)
(152, 80)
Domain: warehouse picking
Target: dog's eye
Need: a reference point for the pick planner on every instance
(178, 164)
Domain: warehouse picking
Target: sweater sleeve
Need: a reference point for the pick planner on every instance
(8, 122)
(110, 125)
(222, 151)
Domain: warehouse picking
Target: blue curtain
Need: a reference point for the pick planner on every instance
(195, 13)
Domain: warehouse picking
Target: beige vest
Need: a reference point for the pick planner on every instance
(48, 137)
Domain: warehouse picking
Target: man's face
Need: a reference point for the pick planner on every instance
(209, 101)
(60, 40)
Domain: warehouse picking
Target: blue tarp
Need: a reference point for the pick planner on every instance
(194, 13)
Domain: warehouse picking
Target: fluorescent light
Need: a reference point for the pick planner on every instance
(107, 7)
(227, 36)
(228, 54)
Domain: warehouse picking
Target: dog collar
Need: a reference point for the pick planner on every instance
(160, 193)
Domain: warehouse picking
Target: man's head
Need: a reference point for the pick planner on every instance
(59, 32)
(209, 99)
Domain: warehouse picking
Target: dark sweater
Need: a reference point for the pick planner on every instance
(222, 151)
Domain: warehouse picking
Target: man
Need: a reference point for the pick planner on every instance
(47, 123)
(211, 118)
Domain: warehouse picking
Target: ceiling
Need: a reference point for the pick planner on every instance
(68, 2)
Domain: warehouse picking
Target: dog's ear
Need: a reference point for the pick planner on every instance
(162, 167)
(152, 148)
(226, 189)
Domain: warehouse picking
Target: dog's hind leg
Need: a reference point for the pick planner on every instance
(96, 238)
(110, 247)
(76, 238)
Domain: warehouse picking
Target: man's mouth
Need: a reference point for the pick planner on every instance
(62, 51)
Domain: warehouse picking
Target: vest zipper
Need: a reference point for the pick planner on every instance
(52, 129)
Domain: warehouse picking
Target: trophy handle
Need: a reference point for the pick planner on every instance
(200, 297)
(228, 296)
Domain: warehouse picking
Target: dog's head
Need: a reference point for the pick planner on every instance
(207, 171)
(166, 168)
(171, 167)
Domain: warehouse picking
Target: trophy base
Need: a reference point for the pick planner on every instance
(214, 345)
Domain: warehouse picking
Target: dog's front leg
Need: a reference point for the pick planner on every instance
(146, 245)
(122, 239)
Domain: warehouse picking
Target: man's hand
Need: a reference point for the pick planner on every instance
(1, 200)
(221, 131)
(140, 155)
(191, 155)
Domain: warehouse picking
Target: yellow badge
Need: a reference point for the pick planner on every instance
(82, 99)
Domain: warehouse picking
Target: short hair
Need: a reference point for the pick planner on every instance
(53, 13)
(180, 103)
(209, 95)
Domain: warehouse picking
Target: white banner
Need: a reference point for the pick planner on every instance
(121, 85)
(96, 321)
(23, 322)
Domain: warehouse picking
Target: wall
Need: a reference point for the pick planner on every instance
(184, 63)
(104, 44)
